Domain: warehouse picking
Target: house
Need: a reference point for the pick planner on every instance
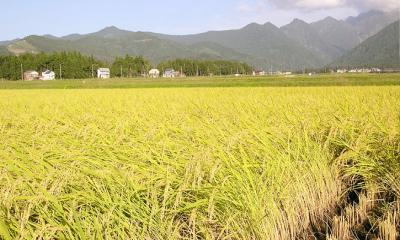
(31, 75)
(376, 70)
(154, 73)
(258, 73)
(48, 75)
(169, 73)
(103, 73)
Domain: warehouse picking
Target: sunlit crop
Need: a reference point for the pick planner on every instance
(204, 163)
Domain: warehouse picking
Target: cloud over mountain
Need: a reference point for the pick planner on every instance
(386, 5)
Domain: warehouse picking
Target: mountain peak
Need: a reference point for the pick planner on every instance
(363, 16)
(110, 32)
(49, 36)
(330, 19)
(252, 26)
(270, 25)
(297, 21)
(110, 29)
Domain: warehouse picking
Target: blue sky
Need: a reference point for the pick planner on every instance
(20, 18)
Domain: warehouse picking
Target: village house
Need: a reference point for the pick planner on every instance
(376, 70)
(258, 73)
(169, 73)
(103, 73)
(154, 73)
(31, 75)
(47, 75)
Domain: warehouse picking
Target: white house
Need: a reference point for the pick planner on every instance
(258, 73)
(154, 73)
(169, 73)
(48, 75)
(31, 75)
(103, 73)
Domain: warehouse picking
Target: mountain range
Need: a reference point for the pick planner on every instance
(380, 50)
(294, 46)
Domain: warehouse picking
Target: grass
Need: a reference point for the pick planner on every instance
(245, 81)
(199, 163)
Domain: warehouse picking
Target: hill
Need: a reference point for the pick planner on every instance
(380, 50)
(295, 46)
(370, 23)
(331, 38)
(306, 35)
(111, 42)
(267, 43)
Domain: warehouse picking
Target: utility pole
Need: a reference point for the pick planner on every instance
(22, 73)
(60, 72)
(121, 71)
(92, 72)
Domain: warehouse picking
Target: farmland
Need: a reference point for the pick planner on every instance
(216, 81)
(216, 159)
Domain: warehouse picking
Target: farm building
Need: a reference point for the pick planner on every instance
(48, 75)
(31, 75)
(103, 73)
(154, 73)
(258, 73)
(169, 73)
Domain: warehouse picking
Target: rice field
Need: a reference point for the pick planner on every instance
(200, 163)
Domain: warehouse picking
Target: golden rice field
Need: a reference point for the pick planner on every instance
(200, 163)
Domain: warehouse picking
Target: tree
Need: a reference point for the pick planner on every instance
(74, 65)
(192, 67)
(131, 66)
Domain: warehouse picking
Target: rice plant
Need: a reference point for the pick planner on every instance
(204, 163)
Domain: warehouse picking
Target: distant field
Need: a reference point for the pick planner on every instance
(244, 81)
(201, 163)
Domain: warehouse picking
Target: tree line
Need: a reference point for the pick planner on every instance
(191, 67)
(74, 65)
(71, 65)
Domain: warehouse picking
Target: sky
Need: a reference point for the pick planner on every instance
(20, 18)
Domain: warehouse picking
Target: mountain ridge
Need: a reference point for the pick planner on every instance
(381, 50)
(294, 46)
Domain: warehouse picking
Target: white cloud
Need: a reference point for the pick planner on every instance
(328, 4)
(386, 5)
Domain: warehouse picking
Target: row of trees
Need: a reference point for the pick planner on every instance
(192, 67)
(73, 65)
(130, 66)
(65, 64)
